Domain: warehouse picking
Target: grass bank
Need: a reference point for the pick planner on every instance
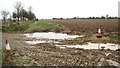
(37, 26)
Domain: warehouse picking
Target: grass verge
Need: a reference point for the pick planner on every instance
(104, 39)
(15, 59)
(43, 26)
(37, 26)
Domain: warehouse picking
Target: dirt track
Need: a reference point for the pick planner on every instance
(47, 54)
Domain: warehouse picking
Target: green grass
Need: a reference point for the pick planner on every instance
(114, 38)
(21, 55)
(43, 26)
(28, 61)
(15, 59)
(83, 38)
(16, 27)
(37, 26)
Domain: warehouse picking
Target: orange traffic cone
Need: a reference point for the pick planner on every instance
(8, 47)
(99, 33)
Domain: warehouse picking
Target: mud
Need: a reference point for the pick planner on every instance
(47, 54)
(50, 55)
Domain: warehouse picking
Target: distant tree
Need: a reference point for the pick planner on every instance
(93, 17)
(30, 9)
(116, 17)
(14, 15)
(89, 17)
(74, 17)
(97, 17)
(4, 14)
(18, 6)
(61, 18)
(31, 15)
(54, 18)
(102, 17)
(10, 18)
(110, 17)
(23, 14)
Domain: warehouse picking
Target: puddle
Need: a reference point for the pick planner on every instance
(40, 41)
(114, 63)
(93, 46)
(107, 54)
(51, 35)
(62, 47)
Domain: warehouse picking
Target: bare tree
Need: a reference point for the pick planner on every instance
(30, 9)
(14, 15)
(23, 14)
(31, 15)
(18, 6)
(4, 14)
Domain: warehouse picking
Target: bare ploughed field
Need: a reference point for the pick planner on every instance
(89, 26)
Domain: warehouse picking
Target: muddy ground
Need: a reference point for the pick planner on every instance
(47, 54)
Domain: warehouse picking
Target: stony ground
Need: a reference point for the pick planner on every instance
(47, 54)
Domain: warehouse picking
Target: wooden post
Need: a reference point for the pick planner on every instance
(98, 45)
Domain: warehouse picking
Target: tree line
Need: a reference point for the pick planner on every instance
(20, 14)
(102, 17)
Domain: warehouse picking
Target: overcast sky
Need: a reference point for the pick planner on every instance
(48, 9)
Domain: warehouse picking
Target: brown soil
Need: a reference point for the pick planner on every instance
(89, 26)
(48, 54)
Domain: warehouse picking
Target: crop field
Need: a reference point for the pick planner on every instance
(89, 25)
